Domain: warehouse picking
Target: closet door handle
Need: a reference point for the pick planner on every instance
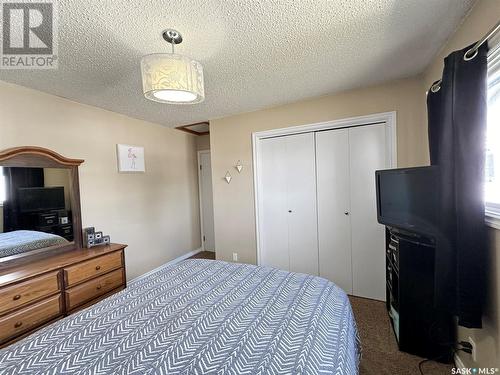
(290, 211)
(346, 213)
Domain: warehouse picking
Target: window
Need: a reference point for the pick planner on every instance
(492, 167)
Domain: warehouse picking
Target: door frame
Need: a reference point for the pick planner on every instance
(199, 153)
(388, 118)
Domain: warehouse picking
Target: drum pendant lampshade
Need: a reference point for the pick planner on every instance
(172, 78)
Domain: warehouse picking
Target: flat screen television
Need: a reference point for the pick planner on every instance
(408, 198)
(36, 199)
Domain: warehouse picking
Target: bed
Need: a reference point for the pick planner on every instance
(21, 241)
(201, 317)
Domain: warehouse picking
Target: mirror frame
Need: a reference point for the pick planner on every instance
(39, 157)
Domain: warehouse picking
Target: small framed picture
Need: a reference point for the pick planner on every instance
(130, 158)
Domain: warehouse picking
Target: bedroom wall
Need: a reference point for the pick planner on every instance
(231, 141)
(203, 142)
(484, 15)
(156, 213)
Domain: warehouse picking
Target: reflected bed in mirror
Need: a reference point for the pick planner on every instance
(39, 204)
(36, 209)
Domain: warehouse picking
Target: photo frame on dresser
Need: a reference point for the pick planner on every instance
(41, 213)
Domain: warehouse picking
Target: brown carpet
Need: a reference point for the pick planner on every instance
(379, 347)
(204, 255)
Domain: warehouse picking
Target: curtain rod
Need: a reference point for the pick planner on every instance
(471, 53)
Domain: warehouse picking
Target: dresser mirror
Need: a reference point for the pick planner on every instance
(39, 203)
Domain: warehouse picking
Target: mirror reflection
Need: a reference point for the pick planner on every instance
(35, 209)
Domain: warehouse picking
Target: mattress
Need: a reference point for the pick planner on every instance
(201, 317)
(21, 241)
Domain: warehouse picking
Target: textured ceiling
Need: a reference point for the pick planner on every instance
(255, 54)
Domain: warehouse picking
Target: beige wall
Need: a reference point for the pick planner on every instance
(58, 177)
(203, 142)
(155, 213)
(230, 140)
(482, 17)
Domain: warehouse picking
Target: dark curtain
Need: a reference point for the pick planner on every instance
(16, 178)
(457, 110)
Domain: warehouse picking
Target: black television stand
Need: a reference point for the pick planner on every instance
(47, 221)
(420, 328)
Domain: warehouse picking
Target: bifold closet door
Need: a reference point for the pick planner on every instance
(302, 213)
(351, 242)
(287, 210)
(334, 224)
(273, 207)
(367, 153)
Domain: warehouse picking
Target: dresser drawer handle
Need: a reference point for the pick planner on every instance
(16, 297)
(18, 324)
(97, 268)
(98, 287)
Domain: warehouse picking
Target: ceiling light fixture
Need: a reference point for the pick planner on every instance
(172, 78)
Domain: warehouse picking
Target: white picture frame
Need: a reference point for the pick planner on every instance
(130, 159)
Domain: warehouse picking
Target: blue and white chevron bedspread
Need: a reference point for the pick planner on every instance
(201, 317)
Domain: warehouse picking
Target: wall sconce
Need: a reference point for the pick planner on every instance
(228, 177)
(239, 166)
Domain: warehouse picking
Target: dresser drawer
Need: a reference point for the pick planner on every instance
(22, 293)
(94, 288)
(30, 317)
(92, 268)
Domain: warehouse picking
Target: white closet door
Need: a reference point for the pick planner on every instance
(334, 226)
(367, 154)
(301, 194)
(273, 208)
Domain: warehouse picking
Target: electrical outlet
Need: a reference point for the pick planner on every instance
(235, 257)
(473, 344)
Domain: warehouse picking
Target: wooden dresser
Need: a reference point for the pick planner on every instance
(37, 293)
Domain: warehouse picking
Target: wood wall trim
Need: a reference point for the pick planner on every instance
(185, 128)
(19, 156)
